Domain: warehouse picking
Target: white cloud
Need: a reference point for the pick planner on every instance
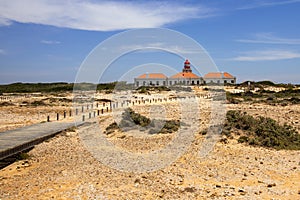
(50, 42)
(269, 38)
(2, 52)
(100, 16)
(154, 47)
(267, 55)
(4, 22)
(267, 3)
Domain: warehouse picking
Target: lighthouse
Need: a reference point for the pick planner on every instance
(187, 67)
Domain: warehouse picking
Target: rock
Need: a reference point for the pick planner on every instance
(190, 189)
(271, 185)
(26, 165)
(137, 181)
(242, 191)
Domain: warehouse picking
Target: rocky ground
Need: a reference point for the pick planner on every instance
(62, 168)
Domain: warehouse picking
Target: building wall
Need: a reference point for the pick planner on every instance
(150, 82)
(138, 82)
(181, 81)
(185, 81)
(220, 80)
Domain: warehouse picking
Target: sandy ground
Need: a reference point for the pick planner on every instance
(20, 112)
(62, 168)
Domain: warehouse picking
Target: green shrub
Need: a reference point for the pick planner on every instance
(111, 128)
(243, 139)
(146, 89)
(38, 103)
(6, 104)
(170, 126)
(262, 131)
(137, 118)
(22, 156)
(132, 120)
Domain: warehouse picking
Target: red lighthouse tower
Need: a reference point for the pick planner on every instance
(187, 67)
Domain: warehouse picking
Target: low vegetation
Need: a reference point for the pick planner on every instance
(261, 131)
(132, 120)
(36, 87)
(147, 89)
(38, 103)
(263, 84)
(283, 98)
(5, 103)
(61, 87)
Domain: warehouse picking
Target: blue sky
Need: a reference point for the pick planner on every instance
(46, 41)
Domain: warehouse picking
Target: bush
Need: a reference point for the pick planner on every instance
(146, 89)
(38, 103)
(111, 128)
(132, 120)
(137, 118)
(6, 104)
(243, 139)
(262, 131)
(170, 126)
(22, 156)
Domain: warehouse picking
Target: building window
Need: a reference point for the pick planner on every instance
(150, 82)
(164, 82)
(170, 82)
(193, 83)
(232, 81)
(137, 84)
(157, 82)
(144, 83)
(218, 81)
(183, 82)
(198, 82)
(225, 81)
(187, 82)
(175, 82)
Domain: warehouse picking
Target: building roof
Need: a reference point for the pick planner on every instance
(185, 75)
(218, 75)
(153, 75)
